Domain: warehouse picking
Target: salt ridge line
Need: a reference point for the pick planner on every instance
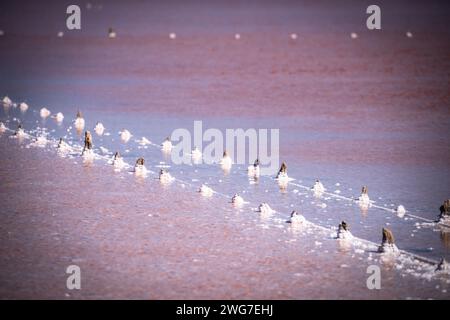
(344, 198)
(312, 224)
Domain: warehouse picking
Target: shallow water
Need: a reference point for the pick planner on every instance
(374, 112)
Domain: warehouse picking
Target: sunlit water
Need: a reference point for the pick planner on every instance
(373, 112)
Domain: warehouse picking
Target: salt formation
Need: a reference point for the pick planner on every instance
(20, 133)
(364, 199)
(206, 191)
(62, 145)
(23, 107)
(237, 200)
(318, 188)
(125, 136)
(59, 117)
(87, 153)
(196, 155)
(387, 243)
(444, 209)
(99, 128)
(296, 218)
(118, 162)
(401, 211)
(443, 265)
(265, 209)
(44, 113)
(165, 177)
(144, 141)
(139, 167)
(111, 33)
(6, 101)
(226, 161)
(79, 122)
(253, 170)
(282, 176)
(344, 231)
(40, 141)
(167, 145)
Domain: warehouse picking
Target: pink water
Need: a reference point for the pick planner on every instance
(372, 111)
